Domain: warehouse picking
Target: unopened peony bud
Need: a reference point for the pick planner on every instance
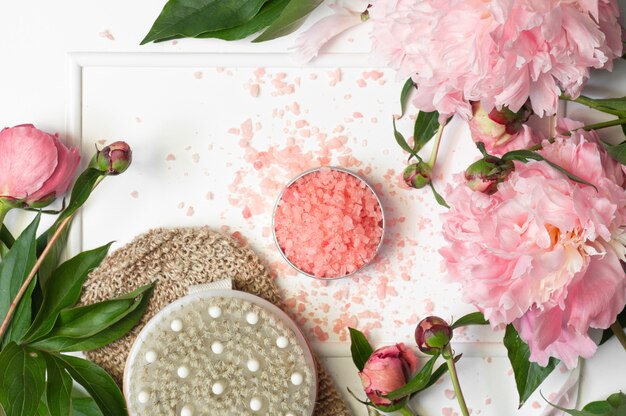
(432, 335)
(114, 158)
(418, 175)
(485, 174)
(496, 127)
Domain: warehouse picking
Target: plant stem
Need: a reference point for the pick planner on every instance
(435, 151)
(405, 411)
(619, 333)
(449, 356)
(3, 212)
(590, 102)
(603, 125)
(31, 275)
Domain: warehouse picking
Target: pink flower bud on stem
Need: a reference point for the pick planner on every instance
(418, 175)
(113, 159)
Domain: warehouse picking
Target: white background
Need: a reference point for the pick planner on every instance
(75, 67)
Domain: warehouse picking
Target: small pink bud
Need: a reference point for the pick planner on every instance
(418, 175)
(485, 174)
(432, 335)
(114, 158)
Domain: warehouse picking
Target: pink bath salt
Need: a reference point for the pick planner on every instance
(328, 223)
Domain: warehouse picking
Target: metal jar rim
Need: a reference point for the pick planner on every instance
(339, 169)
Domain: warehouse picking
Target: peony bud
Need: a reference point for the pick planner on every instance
(113, 159)
(387, 369)
(418, 175)
(432, 335)
(497, 127)
(485, 174)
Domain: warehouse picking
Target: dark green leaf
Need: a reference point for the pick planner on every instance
(292, 17)
(22, 380)
(426, 125)
(528, 375)
(42, 410)
(58, 389)
(21, 319)
(15, 267)
(190, 18)
(614, 405)
(85, 321)
(474, 318)
(83, 187)
(85, 406)
(404, 95)
(617, 151)
(417, 383)
(401, 140)
(97, 382)
(608, 333)
(438, 197)
(360, 348)
(440, 371)
(526, 155)
(268, 14)
(64, 289)
(6, 237)
(102, 338)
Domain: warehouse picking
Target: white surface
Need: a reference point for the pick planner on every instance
(60, 66)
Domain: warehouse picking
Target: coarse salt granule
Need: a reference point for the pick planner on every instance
(328, 223)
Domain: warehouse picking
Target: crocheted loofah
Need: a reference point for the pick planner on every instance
(176, 259)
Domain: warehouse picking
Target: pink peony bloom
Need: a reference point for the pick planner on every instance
(543, 252)
(347, 14)
(35, 167)
(499, 52)
(387, 369)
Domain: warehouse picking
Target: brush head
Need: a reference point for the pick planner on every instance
(220, 352)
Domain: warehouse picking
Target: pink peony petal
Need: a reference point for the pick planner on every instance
(28, 157)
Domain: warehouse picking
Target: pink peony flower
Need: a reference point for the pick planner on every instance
(387, 369)
(499, 52)
(347, 14)
(35, 167)
(543, 252)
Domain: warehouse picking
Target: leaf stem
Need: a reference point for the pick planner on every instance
(598, 126)
(449, 356)
(619, 333)
(31, 275)
(435, 151)
(405, 411)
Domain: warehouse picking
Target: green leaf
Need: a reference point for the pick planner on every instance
(438, 197)
(404, 95)
(64, 289)
(526, 155)
(97, 382)
(617, 151)
(21, 318)
(360, 348)
(58, 389)
(6, 237)
(102, 338)
(614, 405)
(474, 318)
(14, 270)
(190, 18)
(417, 383)
(81, 191)
(268, 14)
(292, 17)
(617, 104)
(426, 125)
(85, 321)
(401, 140)
(85, 406)
(608, 333)
(528, 375)
(22, 380)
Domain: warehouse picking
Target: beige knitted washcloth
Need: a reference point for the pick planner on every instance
(176, 259)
